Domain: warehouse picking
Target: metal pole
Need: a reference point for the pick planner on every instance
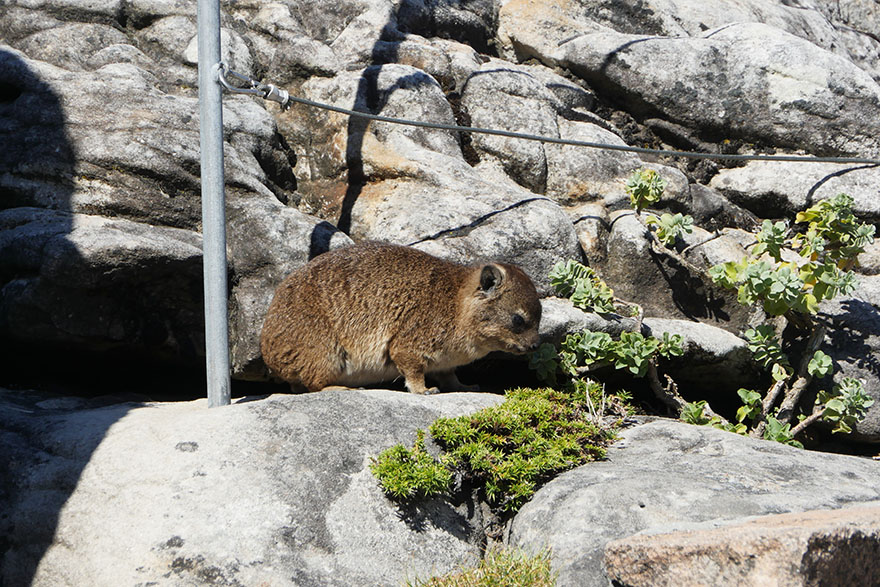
(213, 204)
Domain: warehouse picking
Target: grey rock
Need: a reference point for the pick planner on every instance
(100, 177)
(107, 282)
(711, 354)
(276, 489)
(661, 285)
(783, 189)
(346, 152)
(591, 222)
(574, 101)
(836, 547)
(667, 476)
(460, 214)
(841, 29)
(467, 22)
(713, 211)
(144, 12)
(298, 54)
(852, 340)
(523, 105)
(366, 33)
(139, 166)
(580, 174)
(70, 46)
(560, 318)
(715, 362)
(869, 260)
(776, 88)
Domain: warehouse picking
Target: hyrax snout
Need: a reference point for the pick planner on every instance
(373, 312)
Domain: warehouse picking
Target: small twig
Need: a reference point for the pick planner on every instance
(684, 251)
(769, 402)
(660, 249)
(793, 395)
(816, 415)
(668, 395)
(585, 369)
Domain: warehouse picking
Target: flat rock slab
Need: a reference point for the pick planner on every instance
(275, 491)
(667, 476)
(829, 547)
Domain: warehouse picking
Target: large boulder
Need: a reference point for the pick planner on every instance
(662, 285)
(843, 29)
(783, 189)
(835, 547)
(273, 490)
(101, 209)
(520, 103)
(667, 476)
(76, 279)
(742, 80)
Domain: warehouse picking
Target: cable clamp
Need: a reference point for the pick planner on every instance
(253, 87)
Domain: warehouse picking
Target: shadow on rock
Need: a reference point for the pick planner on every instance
(37, 167)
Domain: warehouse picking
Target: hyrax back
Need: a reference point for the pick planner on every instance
(370, 313)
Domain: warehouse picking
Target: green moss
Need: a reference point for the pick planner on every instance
(411, 474)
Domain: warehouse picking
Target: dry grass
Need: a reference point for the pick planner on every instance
(500, 568)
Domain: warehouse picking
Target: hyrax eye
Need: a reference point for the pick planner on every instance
(518, 323)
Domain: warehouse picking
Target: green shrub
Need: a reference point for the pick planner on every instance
(513, 448)
(508, 450)
(789, 272)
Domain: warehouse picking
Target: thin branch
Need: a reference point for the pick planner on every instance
(816, 415)
(668, 395)
(769, 402)
(684, 251)
(793, 395)
(660, 249)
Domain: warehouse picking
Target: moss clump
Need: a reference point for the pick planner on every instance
(500, 568)
(411, 474)
(509, 450)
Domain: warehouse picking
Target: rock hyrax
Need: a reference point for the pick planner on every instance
(369, 313)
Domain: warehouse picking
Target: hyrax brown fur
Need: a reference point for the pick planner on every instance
(369, 313)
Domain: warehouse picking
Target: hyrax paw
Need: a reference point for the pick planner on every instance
(432, 390)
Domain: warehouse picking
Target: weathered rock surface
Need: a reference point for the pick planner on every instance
(667, 476)
(827, 547)
(274, 490)
(743, 80)
(98, 114)
(662, 285)
(842, 29)
(853, 333)
(783, 189)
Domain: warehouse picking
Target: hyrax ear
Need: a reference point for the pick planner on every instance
(491, 278)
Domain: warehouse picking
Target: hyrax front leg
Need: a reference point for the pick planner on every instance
(448, 381)
(413, 370)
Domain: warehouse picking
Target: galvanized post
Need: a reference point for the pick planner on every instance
(213, 204)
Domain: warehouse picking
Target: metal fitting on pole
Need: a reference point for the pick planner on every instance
(255, 88)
